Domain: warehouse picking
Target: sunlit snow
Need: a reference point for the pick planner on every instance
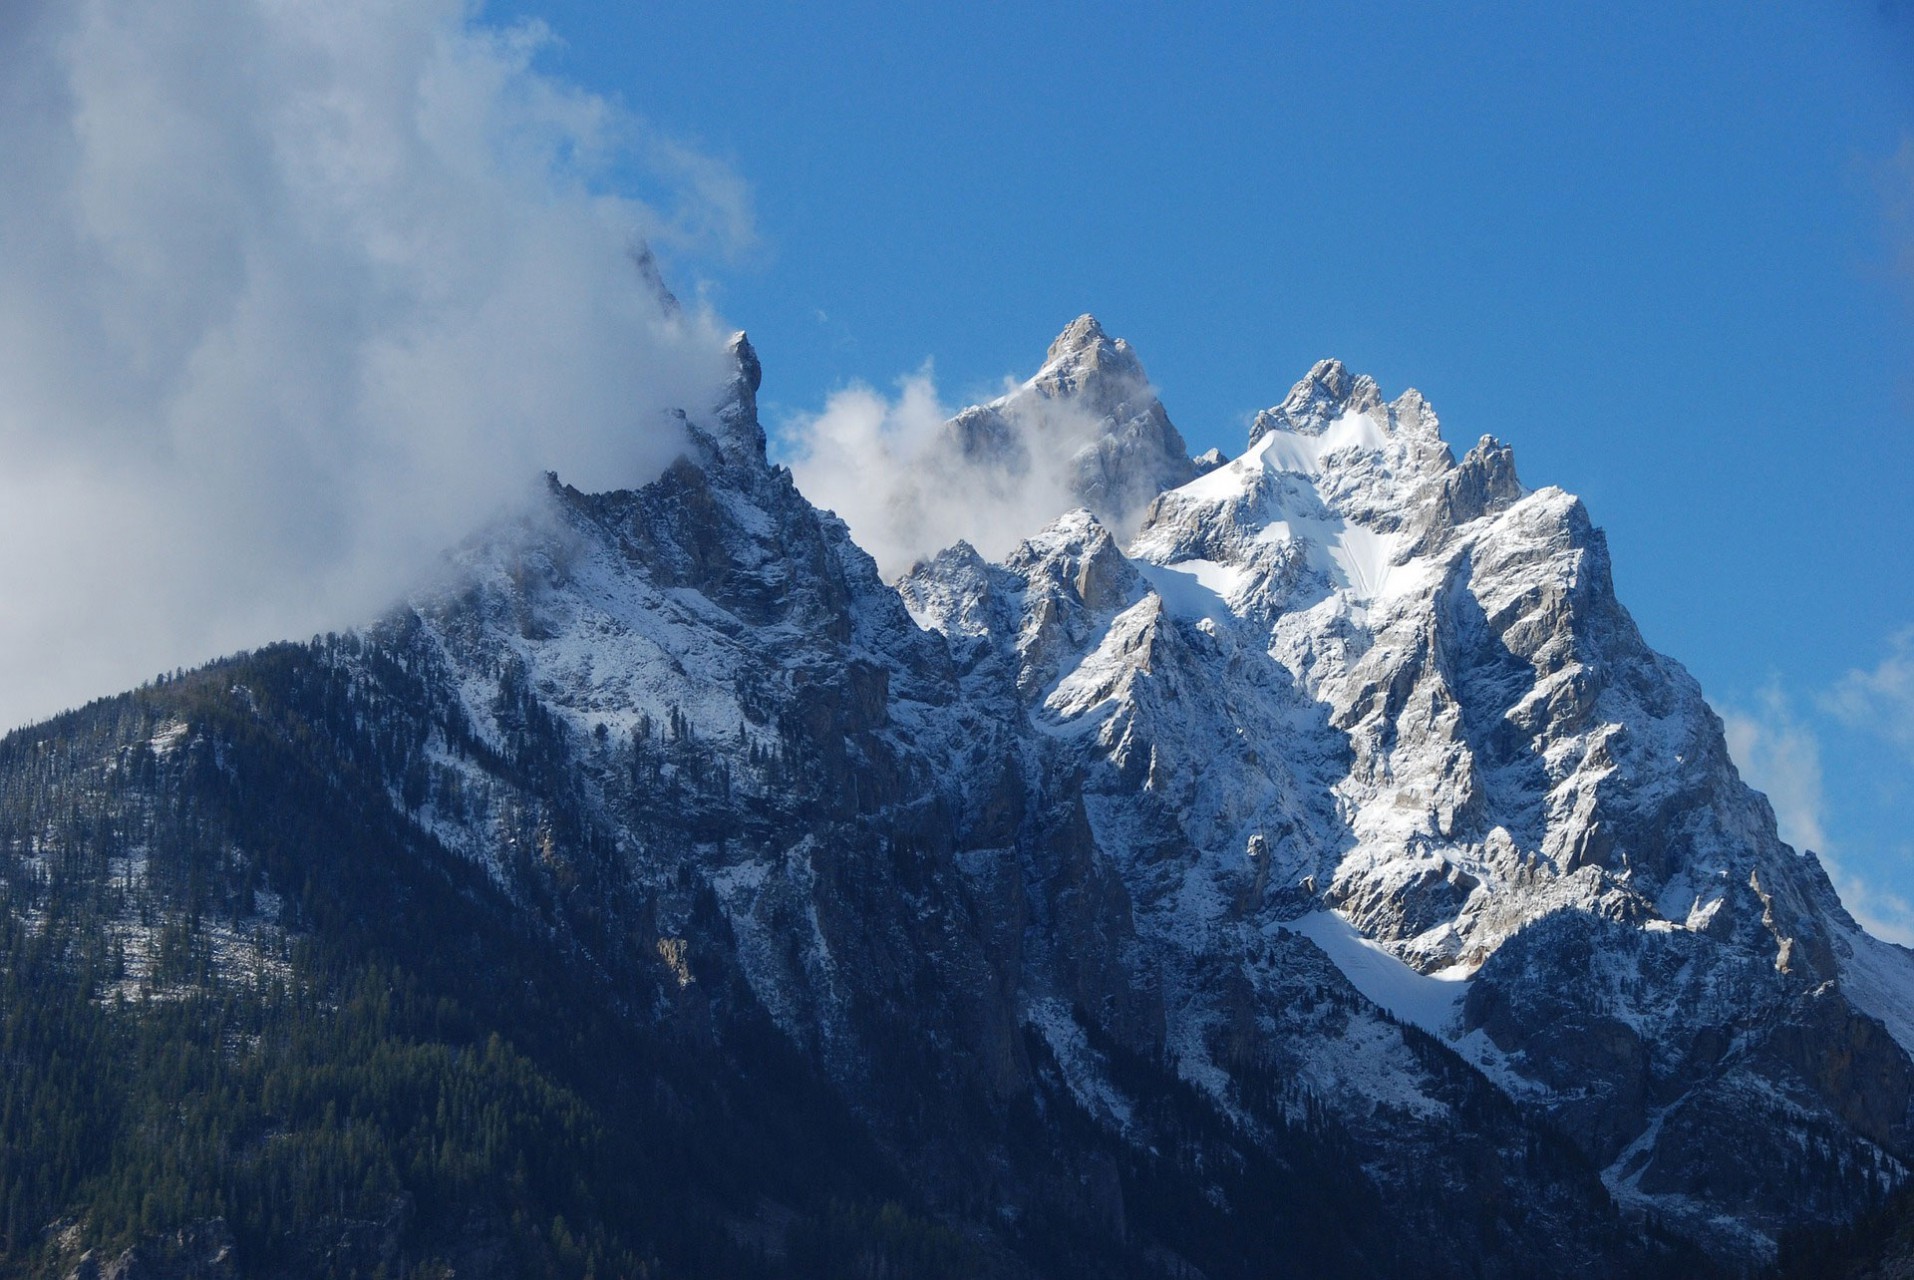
(1429, 1001)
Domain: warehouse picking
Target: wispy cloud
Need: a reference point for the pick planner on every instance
(709, 207)
(1880, 699)
(1781, 757)
(1779, 754)
(908, 487)
(293, 294)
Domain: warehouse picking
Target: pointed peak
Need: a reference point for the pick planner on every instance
(1326, 378)
(1079, 549)
(749, 368)
(1079, 335)
(961, 552)
(1329, 388)
(740, 398)
(1086, 348)
(1086, 428)
(737, 433)
(1208, 461)
(1327, 392)
(955, 562)
(1490, 466)
(1071, 533)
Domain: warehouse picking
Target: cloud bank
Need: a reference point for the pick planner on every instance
(294, 293)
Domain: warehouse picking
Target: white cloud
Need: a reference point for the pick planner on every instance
(1881, 700)
(908, 487)
(1882, 912)
(1780, 756)
(292, 294)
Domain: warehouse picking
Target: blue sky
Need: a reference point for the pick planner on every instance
(1662, 249)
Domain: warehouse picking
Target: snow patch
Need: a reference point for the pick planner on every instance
(1084, 1069)
(1429, 1001)
(168, 738)
(1195, 588)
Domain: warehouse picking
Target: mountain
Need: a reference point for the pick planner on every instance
(1289, 865)
(1088, 418)
(1087, 429)
(1348, 671)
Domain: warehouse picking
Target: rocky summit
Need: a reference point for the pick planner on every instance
(1288, 865)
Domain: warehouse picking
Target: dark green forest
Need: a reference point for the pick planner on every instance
(395, 1078)
(255, 1022)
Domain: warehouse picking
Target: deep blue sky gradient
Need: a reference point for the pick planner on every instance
(1653, 246)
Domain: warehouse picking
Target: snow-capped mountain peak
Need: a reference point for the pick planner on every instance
(1084, 356)
(1323, 395)
(1339, 813)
